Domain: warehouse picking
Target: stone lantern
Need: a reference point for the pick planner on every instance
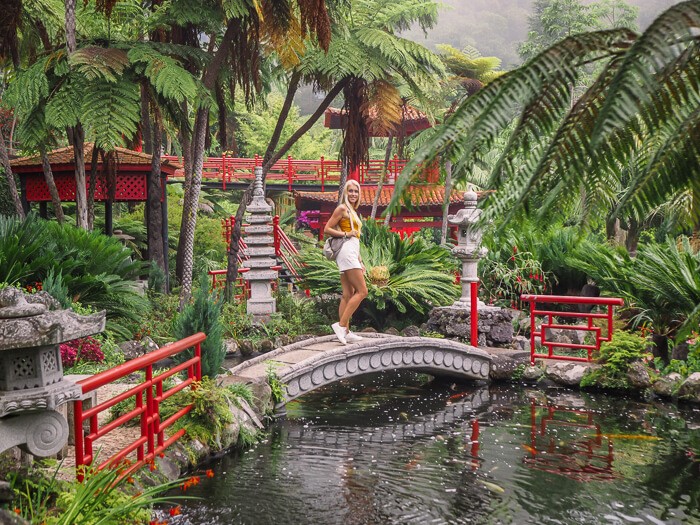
(494, 323)
(468, 249)
(32, 386)
(261, 262)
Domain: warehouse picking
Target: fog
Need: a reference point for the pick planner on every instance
(496, 27)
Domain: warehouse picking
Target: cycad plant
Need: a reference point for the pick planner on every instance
(405, 277)
(661, 285)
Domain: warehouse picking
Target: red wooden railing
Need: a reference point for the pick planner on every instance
(228, 170)
(533, 300)
(151, 440)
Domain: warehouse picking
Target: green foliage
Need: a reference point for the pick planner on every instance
(420, 276)
(211, 414)
(683, 367)
(661, 284)
(202, 315)
(643, 102)
(103, 498)
(113, 356)
(615, 357)
(276, 386)
(53, 285)
(96, 270)
(156, 278)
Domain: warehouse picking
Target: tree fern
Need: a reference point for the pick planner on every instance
(112, 110)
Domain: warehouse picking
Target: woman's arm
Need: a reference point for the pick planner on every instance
(332, 224)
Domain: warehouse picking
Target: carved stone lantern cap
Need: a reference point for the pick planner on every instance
(470, 214)
(28, 320)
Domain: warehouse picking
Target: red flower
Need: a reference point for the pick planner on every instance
(175, 511)
(210, 473)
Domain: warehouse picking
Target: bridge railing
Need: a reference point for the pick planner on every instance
(608, 303)
(229, 170)
(147, 395)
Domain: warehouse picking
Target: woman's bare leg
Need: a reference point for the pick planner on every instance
(348, 292)
(356, 280)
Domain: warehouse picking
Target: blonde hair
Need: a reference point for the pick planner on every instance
(354, 217)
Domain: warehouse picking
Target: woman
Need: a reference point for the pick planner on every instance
(345, 222)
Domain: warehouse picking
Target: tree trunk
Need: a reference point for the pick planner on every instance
(186, 142)
(155, 210)
(387, 155)
(282, 118)
(633, 232)
(93, 186)
(190, 220)
(147, 132)
(5, 161)
(53, 191)
(81, 213)
(446, 202)
(70, 26)
(660, 348)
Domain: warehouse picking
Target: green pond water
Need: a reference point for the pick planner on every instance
(399, 449)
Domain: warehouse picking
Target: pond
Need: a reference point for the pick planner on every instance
(400, 449)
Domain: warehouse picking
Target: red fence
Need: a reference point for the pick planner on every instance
(533, 300)
(290, 171)
(151, 440)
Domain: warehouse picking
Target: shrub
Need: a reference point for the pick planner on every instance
(615, 358)
(85, 349)
(202, 315)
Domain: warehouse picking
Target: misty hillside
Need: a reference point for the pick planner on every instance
(496, 27)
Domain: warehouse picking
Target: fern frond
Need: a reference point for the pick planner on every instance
(94, 62)
(112, 110)
(166, 74)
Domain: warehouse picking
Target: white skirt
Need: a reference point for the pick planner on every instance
(349, 256)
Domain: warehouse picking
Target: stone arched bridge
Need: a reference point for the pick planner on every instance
(313, 363)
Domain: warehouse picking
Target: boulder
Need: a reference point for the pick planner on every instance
(282, 340)
(302, 337)
(411, 331)
(369, 330)
(495, 325)
(690, 388)
(231, 346)
(246, 347)
(668, 385)
(521, 343)
(266, 346)
(391, 331)
(568, 374)
(638, 375)
(503, 367)
(134, 349)
(7, 517)
(533, 373)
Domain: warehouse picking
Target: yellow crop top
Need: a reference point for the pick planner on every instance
(344, 225)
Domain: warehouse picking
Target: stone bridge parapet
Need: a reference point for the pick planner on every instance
(313, 363)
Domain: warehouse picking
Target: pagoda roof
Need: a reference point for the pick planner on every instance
(63, 157)
(412, 119)
(424, 195)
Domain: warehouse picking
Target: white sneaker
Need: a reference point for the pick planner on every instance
(352, 337)
(339, 332)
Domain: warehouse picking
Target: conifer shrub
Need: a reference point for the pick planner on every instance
(202, 315)
(616, 356)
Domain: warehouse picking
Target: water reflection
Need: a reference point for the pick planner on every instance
(568, 441)
(394, 449)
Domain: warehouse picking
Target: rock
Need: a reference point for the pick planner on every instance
(411, 331)
(533, 373)
(266, 346)
(302, 337)
(690, 388)
(521, 343)
(638, 375)
(568, 374)
(495, 324)
(368, 330)
(282, 340)
(503, 367)
(668, 385)
(10, 518)
(391, 331)
(262, 393)
(680, 352)
(556, 335)
(132, 349)
(246, 347)
(6, 493)
(231, 346)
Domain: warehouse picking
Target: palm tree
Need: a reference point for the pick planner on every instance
(645, 101)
